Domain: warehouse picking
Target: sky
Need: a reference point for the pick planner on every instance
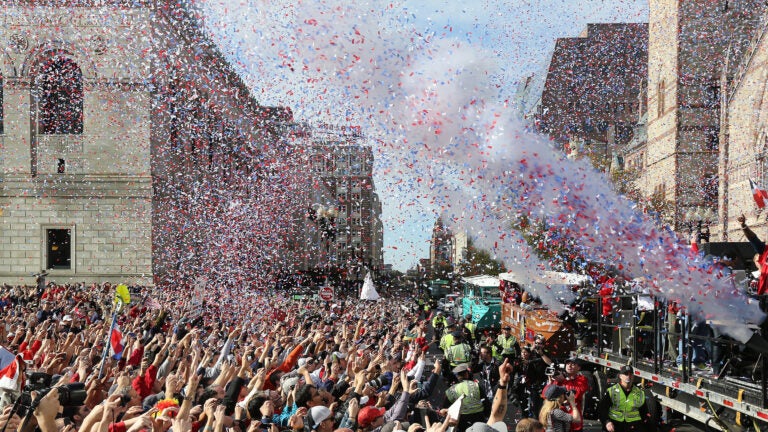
(516, 38)
(431, 84)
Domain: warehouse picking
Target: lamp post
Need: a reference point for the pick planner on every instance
(324, 218)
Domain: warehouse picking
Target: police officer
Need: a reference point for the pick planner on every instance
(507, 343)
(475, 406)
(438, 324)
(622, 408)
(469, 330)
(447, 341)
(460, 352)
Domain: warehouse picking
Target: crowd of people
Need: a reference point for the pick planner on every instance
(76, 359)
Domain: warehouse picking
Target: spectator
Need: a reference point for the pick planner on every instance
(555, 415)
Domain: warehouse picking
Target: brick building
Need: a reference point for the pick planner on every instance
(589, 103)
(345, 233)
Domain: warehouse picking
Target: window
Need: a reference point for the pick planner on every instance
(58, 247)
(660, 96)
(2, 131)
(59, 89)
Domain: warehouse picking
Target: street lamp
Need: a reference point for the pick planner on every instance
(700, 218)
(324, 218)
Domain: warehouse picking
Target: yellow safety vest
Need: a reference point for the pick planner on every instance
(507, 344)
(438, 320)
(473, 400)
(459, 354)
(625, 407)
(471, 327)
(446, 343)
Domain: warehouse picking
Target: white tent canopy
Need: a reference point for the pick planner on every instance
(369, 290)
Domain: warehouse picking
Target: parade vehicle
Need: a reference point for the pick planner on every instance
(438, 288)
(481, 299)
(447, 304)
(528, 317)
(734, 399)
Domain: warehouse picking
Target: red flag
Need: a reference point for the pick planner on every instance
(116, 342)
(760, 195)
(11, 377)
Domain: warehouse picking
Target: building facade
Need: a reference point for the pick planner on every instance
(690, 43)
(123, 131)
(589, 103)
(744, 135)
(345, 233)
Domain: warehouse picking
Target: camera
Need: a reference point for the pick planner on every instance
(550, 371)
(70, 395)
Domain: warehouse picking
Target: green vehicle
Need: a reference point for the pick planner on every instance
(438, 288)
(482, 300)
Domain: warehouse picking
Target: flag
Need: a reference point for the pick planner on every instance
(760, 195)
(122, 294)
(116, 342)
(152, 303)
(11, 377)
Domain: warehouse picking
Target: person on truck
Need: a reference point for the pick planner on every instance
(622, 407)
(761, 255)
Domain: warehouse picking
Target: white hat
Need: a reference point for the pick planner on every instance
(318, 414)
(67, 318)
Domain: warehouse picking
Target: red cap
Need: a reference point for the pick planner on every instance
(368, 414)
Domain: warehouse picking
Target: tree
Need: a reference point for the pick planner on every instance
(478, 262)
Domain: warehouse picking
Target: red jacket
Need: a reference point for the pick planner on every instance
(143, 383)
(580, 386)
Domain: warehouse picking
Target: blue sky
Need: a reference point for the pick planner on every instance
(270, 41)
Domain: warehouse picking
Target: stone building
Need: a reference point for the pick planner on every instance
(124, 135)
(345, 233)
(744, 134)
(690, 44)
(440, 248)
(589, 103)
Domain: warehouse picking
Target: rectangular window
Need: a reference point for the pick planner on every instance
(2, 131)
(58, 247)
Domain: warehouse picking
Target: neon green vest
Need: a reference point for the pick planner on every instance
(507, 344)
(473, 400)
(459, 354)
(471, 327)
(446, 343)
(625, 408)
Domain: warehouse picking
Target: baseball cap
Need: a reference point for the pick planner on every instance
(461, 368)
(574, 360)
(499, 426)
(627, 370)
(368, 414)
(318, 414)
(553, 392)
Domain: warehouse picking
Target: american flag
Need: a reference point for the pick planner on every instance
(152, 303)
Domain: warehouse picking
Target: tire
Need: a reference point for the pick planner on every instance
(591, 398)
(654, 410)
(601, 381)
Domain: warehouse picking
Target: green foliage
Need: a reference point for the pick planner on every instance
(478, 262)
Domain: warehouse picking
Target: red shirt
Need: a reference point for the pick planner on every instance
(580, 386)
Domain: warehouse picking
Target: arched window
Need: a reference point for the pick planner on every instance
(59, 89)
